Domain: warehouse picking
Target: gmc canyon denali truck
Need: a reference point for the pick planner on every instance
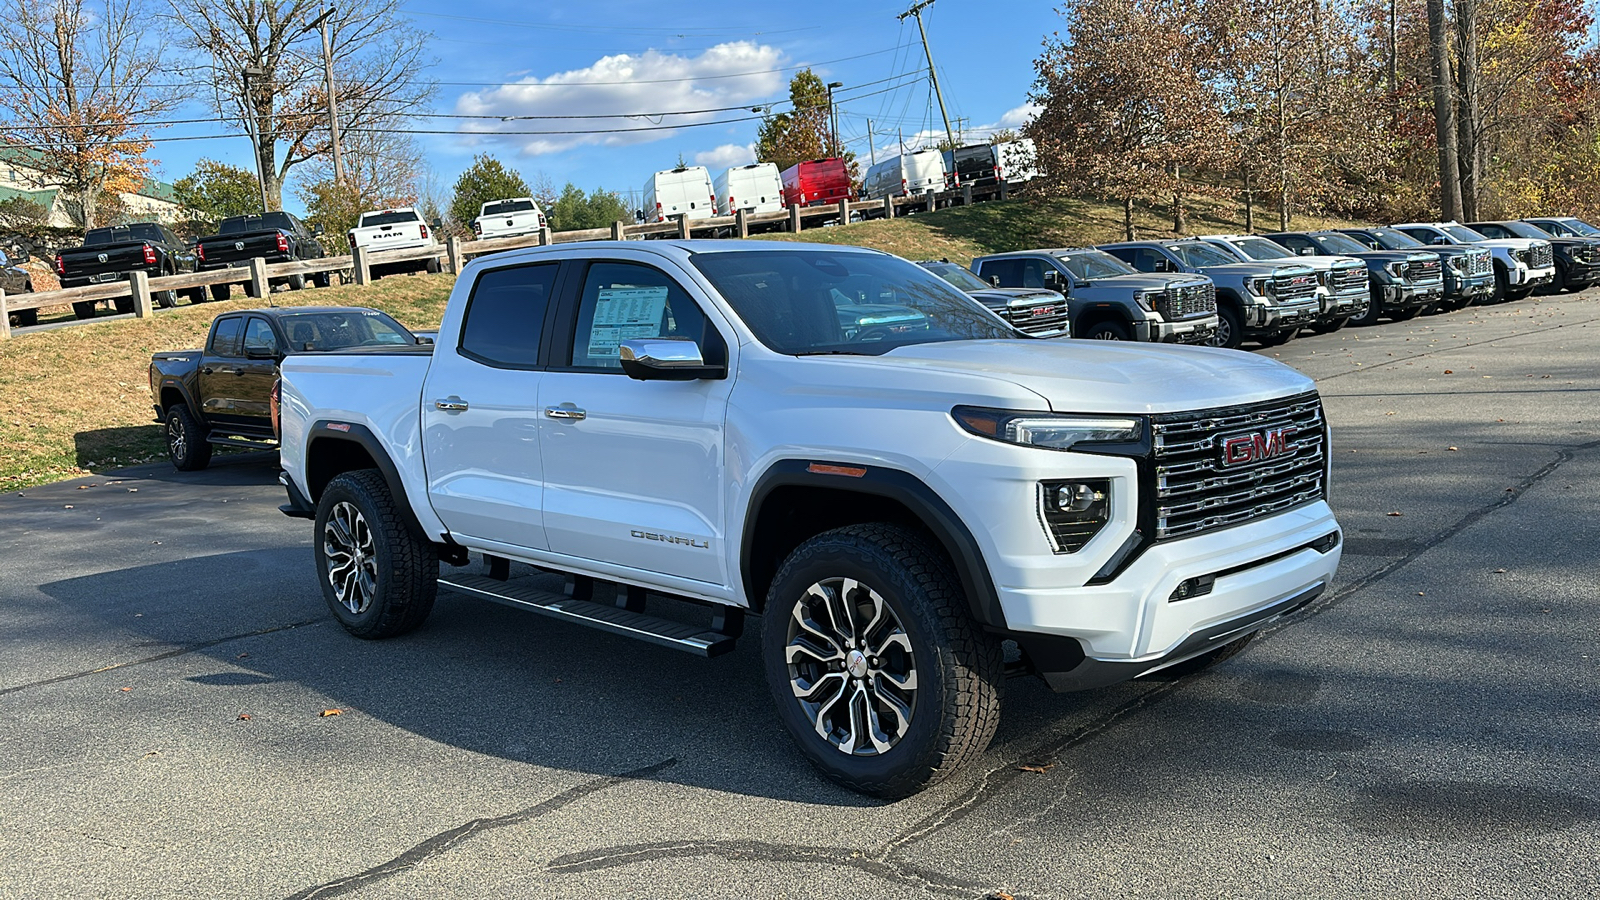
(1341, 281)
(1268, 302)
(1036, 313)
(1404, 283)
(1468, 270)
(688, 420)
(1106, 298)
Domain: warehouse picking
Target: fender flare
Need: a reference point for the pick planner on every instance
(893, 484)
(324, 432)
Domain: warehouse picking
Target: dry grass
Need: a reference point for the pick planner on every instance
(78, 399)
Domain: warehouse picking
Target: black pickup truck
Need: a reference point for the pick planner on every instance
(109, 254)
(274, 236)
(222, 394)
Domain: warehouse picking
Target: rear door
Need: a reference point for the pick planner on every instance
(221, 367)
(480, 411)
(634, 469)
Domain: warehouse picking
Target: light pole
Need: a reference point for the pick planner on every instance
(251, 126)
(833, 120)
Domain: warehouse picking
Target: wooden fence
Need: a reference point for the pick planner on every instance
(258, 276)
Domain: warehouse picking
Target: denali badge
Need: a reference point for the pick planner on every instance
(1249, 448)
(669, 539)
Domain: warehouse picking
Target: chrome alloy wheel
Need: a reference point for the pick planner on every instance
(352, 556)
(851, 667)
(177, 438)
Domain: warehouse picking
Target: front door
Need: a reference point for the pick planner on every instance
(634, 469)
(480, 412)
(221, 367)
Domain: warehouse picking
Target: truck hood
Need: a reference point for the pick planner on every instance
(1005, 296)
(1146, 281)
(1259, 267)
(1508, 243)
(1111, 377)
(1389, 256)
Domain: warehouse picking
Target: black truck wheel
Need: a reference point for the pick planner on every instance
(322, 279)
(164, 299)
(84, 310)
(1230, 328)
(26, 317)
(195, 295)
(221, 292)
(186, 440)
(432, 266)
(296, 282)
(378, 576)
(1371, 316)
(1108, 331)
(124, 305)
(880, 673)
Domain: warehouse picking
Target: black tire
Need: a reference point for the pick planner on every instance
(916, 734)
(322, 279)
(1502, 284)
(1230, 327)
(1329, 326)
(164, 299)
(1371, 316)
(1557, 285)
(1198, 664)
(1518, 293)
(388, 586)
(124, 305)
(1279, 338)
(296, 282)
(186, 440)
(84, 310)
(195, 295)
(432, 266)
(1407, 314)
(220, 292)
(26, 318)
(1108, 331)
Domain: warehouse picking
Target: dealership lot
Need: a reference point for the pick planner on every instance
(1426, 728)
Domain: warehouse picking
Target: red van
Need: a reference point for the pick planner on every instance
(816, 182)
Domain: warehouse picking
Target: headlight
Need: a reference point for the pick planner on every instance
(1261, 287)
(1520, 255)
(1397, 269)
(1052, 431)
(1147, 300)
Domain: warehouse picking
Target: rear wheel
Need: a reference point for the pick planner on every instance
(165, 299)
(84, 310)
(1108, 331)
(221, 292)
(195, 295)
(378, 576)
(433, 266)
(880, 673)
(124, 305)
(186, 440)
(322, 279)
(296, 282)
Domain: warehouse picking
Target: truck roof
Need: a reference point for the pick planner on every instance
(278, 312)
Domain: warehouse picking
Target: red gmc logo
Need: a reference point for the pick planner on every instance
(1242, 449)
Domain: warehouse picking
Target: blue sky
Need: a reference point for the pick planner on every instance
(502, 58)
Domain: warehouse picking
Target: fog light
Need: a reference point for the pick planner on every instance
(1192, 587)
(1078, 497)
(1074, 512)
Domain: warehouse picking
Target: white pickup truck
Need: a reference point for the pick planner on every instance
(834, 439)
(395, 229)
(517, 217)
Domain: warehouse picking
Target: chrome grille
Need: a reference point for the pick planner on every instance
(1425, 273)
(1294, 288)
(1038, 318)
(1188, 302)
(1479, 262)
(1197, 490)
(1541, 256)
(1352, 280)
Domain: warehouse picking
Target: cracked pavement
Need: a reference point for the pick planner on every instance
(1428, 727)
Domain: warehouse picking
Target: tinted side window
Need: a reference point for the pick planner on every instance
(505, 315)
(258, 336)
(1424, 235)
(623, 302)
(1033, 273)
(1009, 271)
(226, 339)
(1296, 243)
(1126, 254)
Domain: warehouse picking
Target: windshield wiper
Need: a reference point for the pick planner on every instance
(831, 353)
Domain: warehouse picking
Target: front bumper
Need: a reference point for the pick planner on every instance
(1406, 294)
(1581, 273)
(1263, 318)
(1188, 331)
(1469, 286)
(1521, 275)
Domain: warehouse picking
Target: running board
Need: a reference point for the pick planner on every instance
(652, 629)
(261, 443)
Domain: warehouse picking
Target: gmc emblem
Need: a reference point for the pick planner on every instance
(1242, 449)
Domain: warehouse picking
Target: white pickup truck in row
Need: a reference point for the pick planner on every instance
(834, 439)
(395, 229)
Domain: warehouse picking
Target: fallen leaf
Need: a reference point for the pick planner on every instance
(1499, 571)
(244, 717)
(1039, 769)
(1451, 449)
(1421, 594)
(124, 690)
(1449, 371)
(1000, 895)
(332, 712)
(1396, 514)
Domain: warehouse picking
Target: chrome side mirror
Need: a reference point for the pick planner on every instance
(654, 359)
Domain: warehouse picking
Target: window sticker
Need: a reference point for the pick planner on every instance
(623, 314)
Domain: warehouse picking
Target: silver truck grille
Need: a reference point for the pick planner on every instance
(1425, 274)
(1478, 262)
(1220, 467)
(1350, 281)
(1541, 256)
(1046, 317)
(1294, 288)
(1188, 302)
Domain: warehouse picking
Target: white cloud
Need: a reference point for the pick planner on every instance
(1018, 116)
(726, 156)
(1012, 119)
(649, 82)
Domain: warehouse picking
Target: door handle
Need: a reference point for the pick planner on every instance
(451, 404)
(205, 370)
(565, 411)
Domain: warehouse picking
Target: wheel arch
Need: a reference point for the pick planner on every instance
(338, 447)
(792, 502)
(1095, 315)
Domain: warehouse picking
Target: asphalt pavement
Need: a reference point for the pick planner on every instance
(1428, 728)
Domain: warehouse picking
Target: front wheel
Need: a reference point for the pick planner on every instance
(1230, 328)
(1371, 316)
(880, 673)
(187, 446)
(378, 576)
(1406, 315)
(26, 317)
(1108, 331)
(84, 310)
(1329, 326)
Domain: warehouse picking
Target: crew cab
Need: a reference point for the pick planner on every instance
(1403, 283)
(1341, 281)
(395, 229)
(1034, 312)
(109, 254)
(1521, 266)
(275, 237)
(220, 394)
(1577, 259)
(674, 424)
(1468, 269)
(516, 217)
(1106, 298)
(1265, 301)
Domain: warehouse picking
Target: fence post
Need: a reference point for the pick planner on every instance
(545, 239)
(139, 287)
(260, 287)
(740, 224)
(683, 227)
(888, 206)
(844, 211)
(5, 317)
(452, 250)
(1003, 191)
(359, 267)
(794, 218)
(617, 233)
(966, 195)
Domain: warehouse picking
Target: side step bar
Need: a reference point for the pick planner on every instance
(651, 629)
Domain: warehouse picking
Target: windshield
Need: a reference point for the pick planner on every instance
(1261, 248)
(961, 278)
(802, 303)
(1332, 242)
(116, 234)
(1088, 265)
(1462, 233)
(390, 218)
(342, 330)
(1389, 239)
(1581, 227)
(506, 207)
(1199, 254)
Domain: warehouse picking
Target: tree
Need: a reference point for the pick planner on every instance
(21, 214)
(382, 171)
(1444, 111)
(213, 192)
(803, 132)
(378, 58)
(574, 210)
(80, 74)
(487, 179)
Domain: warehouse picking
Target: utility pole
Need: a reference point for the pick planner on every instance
(252, 128)
(872, 151)
(932, 75)
(333, 103)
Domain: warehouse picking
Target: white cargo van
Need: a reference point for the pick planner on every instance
(756, 188)
(1018, 159)
(684, 191)
(906, 175)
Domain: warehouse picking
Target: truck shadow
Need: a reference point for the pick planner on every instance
(228, 467)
